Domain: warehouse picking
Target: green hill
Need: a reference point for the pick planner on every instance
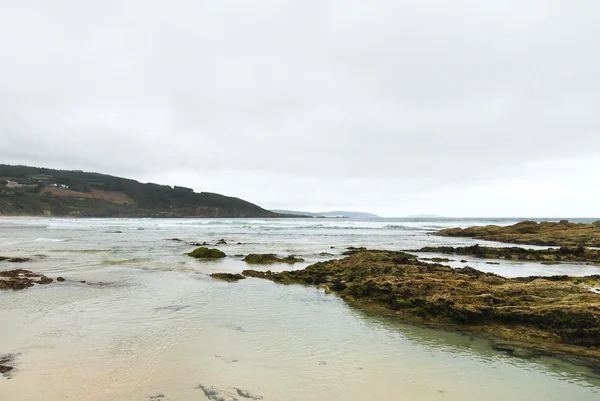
(32, 191)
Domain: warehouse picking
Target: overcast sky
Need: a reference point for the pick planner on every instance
(399, 107)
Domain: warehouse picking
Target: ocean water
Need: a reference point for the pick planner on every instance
(150, 324)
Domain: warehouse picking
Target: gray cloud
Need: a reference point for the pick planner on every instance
(386, 106)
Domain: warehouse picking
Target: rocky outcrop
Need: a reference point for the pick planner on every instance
(269, 258)
(550, 255)
(20, 279)
(207, 253)
(557, 314)
(228, 276)
(563, 233)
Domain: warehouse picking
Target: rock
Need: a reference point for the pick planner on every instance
(228, 276)
(14, 259)
(546, 233)
(269, 258)
(198, 243)
(558, 314)
(175, 239)
(247, 394)
(207, 253)
(221, 242)
(6, 362)
(438, 260)
(60, 279)
(546, 256)
(20, 279)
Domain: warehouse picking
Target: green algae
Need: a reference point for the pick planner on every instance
(207, 253)
(269, 258)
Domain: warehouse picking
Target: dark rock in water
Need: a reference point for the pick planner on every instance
(228, 276)
(514, 350)
(20, 279)
(239, 243)
(83, 281)
(172, 308)
(269, 258)
(175, 239)
(247, 394)
(45, 280)
(14, 259)
(463, 261)
(206, 253)
(60, 279)
(215, 394)
(156, 397)
(235, 327)
(221, 242)
(199, 243)
(438, 260)
(325, 254)
(5, 369)
(5, 363)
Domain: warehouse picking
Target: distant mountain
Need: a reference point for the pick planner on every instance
(340, 214)
(33, 191)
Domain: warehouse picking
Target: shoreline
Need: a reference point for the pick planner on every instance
(528, 316)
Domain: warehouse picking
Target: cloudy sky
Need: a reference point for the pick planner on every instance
(399, 107)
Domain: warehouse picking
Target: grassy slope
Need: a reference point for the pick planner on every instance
(149, 199)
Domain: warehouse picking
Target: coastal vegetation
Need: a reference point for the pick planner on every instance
(269, 258)
(550, 255)
(562, 233)
(557, 315)
(32, 191)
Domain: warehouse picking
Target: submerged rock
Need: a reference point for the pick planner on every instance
(558, 314)
(6, 362)
(207, 253)
(14, 259)
(269, 258)
(563, 233)
(221, 242)
(228, 276)
(20, 279)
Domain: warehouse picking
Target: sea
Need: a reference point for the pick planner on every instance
(138, 319)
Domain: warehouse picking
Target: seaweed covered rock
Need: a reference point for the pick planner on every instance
(550, 255)
(20, 279)
(269, 258)
(557, 313)
(228, 276)
(563, 233)
(207, 253)
(13, 259)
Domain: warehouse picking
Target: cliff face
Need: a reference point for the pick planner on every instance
(32, 191)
